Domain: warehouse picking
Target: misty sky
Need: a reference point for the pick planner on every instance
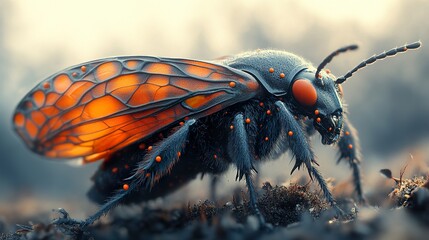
(388, 102)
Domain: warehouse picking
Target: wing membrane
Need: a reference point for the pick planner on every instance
(95, 108)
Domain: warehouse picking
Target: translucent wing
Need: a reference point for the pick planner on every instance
(96, 108)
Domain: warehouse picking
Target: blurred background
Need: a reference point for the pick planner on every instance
(388, 103)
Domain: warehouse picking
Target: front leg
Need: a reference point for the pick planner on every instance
(301, 149)
(239, 151)
(349, 149)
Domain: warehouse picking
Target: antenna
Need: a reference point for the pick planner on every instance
(332, 55)
(374, 58)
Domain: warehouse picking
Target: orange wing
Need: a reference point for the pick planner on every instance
(96, 108)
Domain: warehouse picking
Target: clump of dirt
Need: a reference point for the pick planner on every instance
(280, 205)
(295, 212)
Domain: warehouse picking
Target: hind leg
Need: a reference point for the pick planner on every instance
(157, 163)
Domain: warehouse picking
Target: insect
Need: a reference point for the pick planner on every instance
(158, 122)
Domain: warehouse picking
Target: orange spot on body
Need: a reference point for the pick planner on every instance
(231, 127)
(247, 120)
(316, 112)
(282, 75)
(125, 187)
(232, 84)
(181, 123)
(114, 170)
(318, 120)
(290, 133)
(46, 85)
(347, 133)
(158, 159)
(215, 156)
(261, 104)
(74, 74)
(327, 71)
(108, 70)
(83, 68)
(350, 146)
(266, 139)
(179, 154)
(149, 148)
(271, 70)
(330, 129)
(268, 112)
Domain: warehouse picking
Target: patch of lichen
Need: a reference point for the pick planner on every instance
(279, 205)
(403, 190)
(282, 205)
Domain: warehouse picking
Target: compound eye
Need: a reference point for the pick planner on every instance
(304, 92)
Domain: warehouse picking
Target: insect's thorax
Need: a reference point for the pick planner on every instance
(275, 70)
(211, 135)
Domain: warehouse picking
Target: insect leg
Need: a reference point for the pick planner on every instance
(349, 148)
(302, 152)
(239, 151)
(168, 149)
(164, 155)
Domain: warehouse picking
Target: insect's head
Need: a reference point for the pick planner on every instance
(319, 98)
(317, 93)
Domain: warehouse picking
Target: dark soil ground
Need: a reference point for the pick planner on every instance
(293, 212)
